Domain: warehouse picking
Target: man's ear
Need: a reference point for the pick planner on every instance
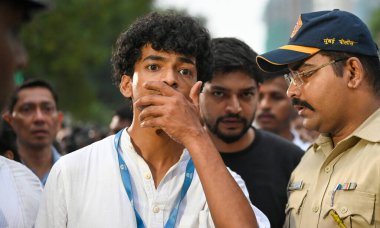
(60, 118)
(8, 118)
(126, 86)
(9, 154)
(355, 73)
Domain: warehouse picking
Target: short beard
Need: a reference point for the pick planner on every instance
(229, 138)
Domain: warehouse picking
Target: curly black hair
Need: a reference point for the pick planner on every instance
(231, 54)
(169, 32)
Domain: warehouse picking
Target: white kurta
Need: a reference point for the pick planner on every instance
(85, 189)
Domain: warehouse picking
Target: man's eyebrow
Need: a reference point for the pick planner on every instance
(252, 88)
(44, 102)
(186, 60)
(160, 58)
(216, 87)
(154, 57)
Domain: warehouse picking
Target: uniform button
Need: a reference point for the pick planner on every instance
(344, 210)
(156, 209)
(148, 176)
(315, 209)
(327, 169)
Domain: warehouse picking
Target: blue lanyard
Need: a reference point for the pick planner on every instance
(126, 178)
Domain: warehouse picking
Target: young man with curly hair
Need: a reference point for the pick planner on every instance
(164, 170)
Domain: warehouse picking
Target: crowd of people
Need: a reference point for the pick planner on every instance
(209, 134)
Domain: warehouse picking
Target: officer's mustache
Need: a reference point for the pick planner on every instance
(296, 101)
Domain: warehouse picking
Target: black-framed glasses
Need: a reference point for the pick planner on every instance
(295, 77)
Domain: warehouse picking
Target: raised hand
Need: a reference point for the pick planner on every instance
(168, 109)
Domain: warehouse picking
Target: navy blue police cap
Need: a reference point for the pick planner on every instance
(334, 30)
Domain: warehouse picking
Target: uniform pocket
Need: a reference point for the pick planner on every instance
(293, 207)
(355, 208)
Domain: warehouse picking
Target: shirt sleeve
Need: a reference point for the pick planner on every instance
(53, 209)
(261, 218)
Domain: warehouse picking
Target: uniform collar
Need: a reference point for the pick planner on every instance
(368, 131)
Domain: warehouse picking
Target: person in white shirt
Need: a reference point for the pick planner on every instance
(164, 170)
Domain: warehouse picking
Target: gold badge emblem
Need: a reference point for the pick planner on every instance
(296, 27)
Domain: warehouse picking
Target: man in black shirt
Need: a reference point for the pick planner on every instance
(228, 105)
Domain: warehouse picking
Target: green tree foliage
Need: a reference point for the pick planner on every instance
(375, 25)
(71, 47)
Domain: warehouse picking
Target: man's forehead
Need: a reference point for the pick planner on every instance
(232, 79)
(36, 94)
(228, 87)
(148, 50)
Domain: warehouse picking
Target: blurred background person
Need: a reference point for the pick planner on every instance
(72, 137)
(20, 189)
(275, 111)
(34, 116)
(122, 118)
(306, 135)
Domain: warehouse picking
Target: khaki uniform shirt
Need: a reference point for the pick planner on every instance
(354, 166)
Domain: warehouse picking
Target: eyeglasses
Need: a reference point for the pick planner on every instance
(295, 77)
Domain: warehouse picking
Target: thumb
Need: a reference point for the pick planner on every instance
(194, 93)
(194, 96)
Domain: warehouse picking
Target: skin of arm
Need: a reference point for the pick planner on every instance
(179, 117)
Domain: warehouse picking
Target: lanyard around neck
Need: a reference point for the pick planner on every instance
(126, 178)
